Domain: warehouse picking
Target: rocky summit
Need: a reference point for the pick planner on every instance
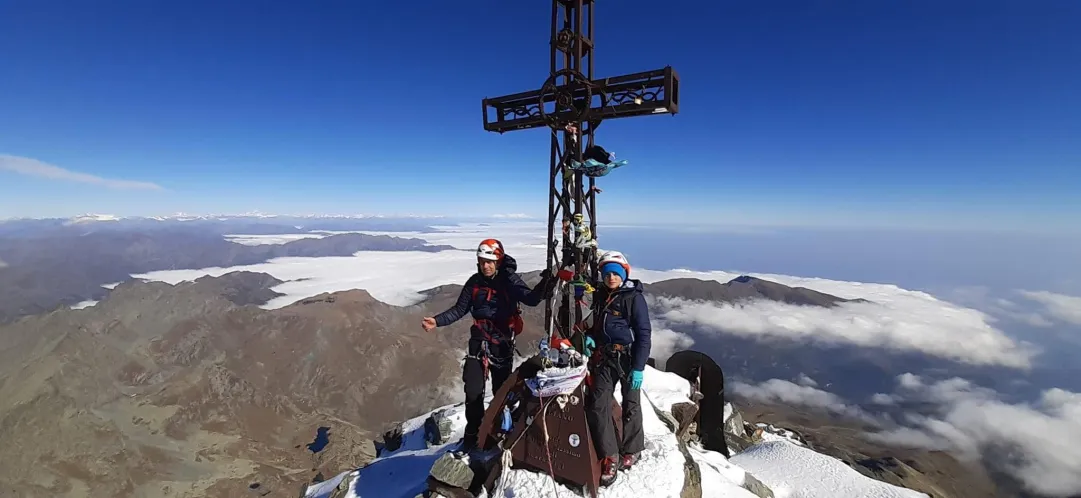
(672, 465)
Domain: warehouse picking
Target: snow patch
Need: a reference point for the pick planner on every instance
(720, 477)
(83, 304)
(795, 472)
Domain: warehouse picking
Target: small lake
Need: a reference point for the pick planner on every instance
(322, 437)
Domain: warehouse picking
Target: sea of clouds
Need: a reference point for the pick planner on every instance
(965, 418)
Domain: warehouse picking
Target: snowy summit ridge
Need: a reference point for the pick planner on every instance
(775, 467)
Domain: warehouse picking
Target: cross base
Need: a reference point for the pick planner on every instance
(568, 454)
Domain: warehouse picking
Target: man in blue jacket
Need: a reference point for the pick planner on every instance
(492, 296)
(621, 334)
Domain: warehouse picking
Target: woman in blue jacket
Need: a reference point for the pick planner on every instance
(621, 334)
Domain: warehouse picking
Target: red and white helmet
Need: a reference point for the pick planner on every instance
(490, 249)
(615, 257)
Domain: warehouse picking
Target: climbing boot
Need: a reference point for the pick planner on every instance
(627, 461)
(609, 467)
(466, 446)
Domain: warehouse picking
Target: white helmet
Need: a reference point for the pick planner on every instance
(614, 257)
(490, 249)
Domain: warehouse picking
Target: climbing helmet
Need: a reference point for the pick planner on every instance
(490, 249)
(615, 257)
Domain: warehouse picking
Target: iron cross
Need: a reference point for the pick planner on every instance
(571, 104)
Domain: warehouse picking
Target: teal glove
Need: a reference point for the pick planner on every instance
(589, 347)
(636, 380)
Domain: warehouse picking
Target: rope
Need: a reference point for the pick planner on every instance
(548, 452)
(507, 458)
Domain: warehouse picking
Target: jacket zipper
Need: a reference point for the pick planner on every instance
(604, 319)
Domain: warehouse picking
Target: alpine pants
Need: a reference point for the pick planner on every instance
(483, 358)
(612, 367)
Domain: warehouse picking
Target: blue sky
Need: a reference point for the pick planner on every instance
(929, 114)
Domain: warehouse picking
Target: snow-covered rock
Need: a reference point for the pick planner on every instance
(792, 471)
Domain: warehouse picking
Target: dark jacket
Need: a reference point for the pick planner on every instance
(495, 299)
(621, 317)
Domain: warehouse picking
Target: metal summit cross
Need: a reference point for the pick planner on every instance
(572, 104)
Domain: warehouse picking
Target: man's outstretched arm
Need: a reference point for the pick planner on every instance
(456, 312)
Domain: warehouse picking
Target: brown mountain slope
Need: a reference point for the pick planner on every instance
(164, 390)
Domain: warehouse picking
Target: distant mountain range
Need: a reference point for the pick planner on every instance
(92, 217)
(68, 266)
(742, 288)
(248, 223)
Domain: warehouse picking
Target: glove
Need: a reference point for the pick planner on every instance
(547, 283)
(590, 345)
(636, 380)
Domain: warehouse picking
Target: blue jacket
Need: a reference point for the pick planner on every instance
(621, 317)
(494, 299)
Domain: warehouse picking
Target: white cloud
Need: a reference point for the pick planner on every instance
(255, 240)
(1043, 439)
(2, 263)
(883, 399)
(513, 216)
(665, 342)
(790, 393)
(804, 380)
(33, 167)
(983, 299)
(903, 321)
(394, 277)
(1060, 306)
(898, 318)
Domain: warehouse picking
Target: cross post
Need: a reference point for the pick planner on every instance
(571, 104)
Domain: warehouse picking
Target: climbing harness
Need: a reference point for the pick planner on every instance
(486, 358)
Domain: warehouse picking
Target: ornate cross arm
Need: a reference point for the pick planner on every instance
(638, 94)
